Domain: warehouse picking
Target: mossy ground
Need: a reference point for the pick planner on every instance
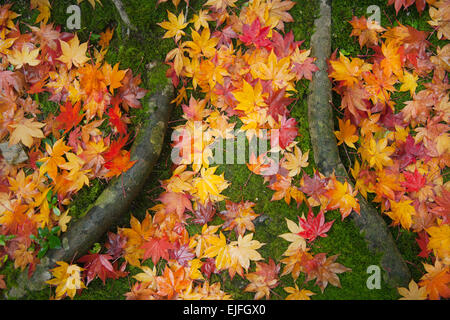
(136, 52)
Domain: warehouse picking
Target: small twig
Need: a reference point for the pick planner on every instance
(123, 14)
(348, 157)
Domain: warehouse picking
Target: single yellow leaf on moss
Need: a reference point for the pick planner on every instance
(174, 26)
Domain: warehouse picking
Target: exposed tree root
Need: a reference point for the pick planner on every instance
(326, 154)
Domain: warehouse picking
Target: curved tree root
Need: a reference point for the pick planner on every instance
(114, 201)
(327, 158)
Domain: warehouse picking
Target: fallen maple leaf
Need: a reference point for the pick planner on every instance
(296, 294)
(25, 131)
(67, 278)
(294, 162)
(25, 56)
(314, 227)
(98, 265)
(157, 248)
(346, 133)
(73, 53)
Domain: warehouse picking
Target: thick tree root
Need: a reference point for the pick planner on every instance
(327, 158)
(115, 200)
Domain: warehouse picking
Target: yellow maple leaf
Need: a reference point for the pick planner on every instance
(25, 131)
(348, 71)
(201, 19)
(409, 82)
(148, 276)
(174, 26)
(73, 53)
(346, 133)
(219, 249)
(55, 158)
(249, 97)
(277, 71)
(5, 43)
(113, 76)
(341, 196)
(296, 241)
(25, 56)
(296, 294)
(402, 212)
(63, 220)
(440, 240)
(202, 44)
(22, 257)
(376, 153)
(209, 185)
(244, 249)
(201, 241)
(413, 292)
(67, 279)
(294, 162)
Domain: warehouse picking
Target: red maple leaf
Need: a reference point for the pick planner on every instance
(119, 164)
(409, 151)
(422, 240)
(115, 148)
(414, 181)
(284, 46)
(288, 131)
(204, 214)
(254, 34)
(314, 227)
(277, 102)
(115, 245)
(69, 117)
(305, 69)
(315, 186)
(209, 267)
(157, 248)
(175, 202)
(98, 265)
(182, 253)
(116, 119)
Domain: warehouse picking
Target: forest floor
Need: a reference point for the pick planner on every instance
(140, 53)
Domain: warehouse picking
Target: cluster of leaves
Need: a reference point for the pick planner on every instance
(44, 69)
(402, 150)
(246, 68)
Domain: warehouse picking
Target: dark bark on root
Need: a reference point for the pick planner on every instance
(327, 158)
(114, 201)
